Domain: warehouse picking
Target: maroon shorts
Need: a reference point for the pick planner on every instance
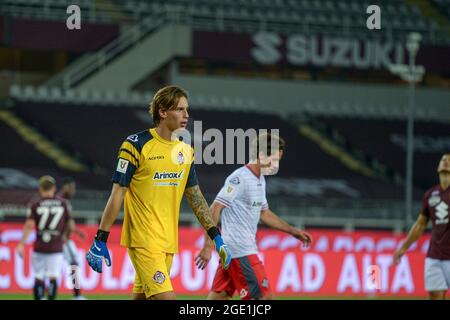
(246, 275)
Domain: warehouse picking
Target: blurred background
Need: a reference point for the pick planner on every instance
(343, 97)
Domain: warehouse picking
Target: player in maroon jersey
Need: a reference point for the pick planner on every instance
(435, 207)
(50, 216)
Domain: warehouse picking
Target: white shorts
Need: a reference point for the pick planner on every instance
(437, 274)
(47, 265)
(70, 252)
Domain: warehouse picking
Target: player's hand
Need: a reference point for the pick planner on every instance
(203, 257)
(95, 254)
(20, 248)
(81, 234)
(303, 236)
(397, 256)
(223, 251)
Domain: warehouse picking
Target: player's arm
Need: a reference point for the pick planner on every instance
(414, 233)
(98, 249)
(127, 163)
(112, 207)
(202, 259)
(200, 207)
(27, 229)
(70, 228)
(216, 210)
(80, 233)
(275, 222)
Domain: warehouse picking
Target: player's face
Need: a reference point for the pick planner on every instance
(270, 165)
(444, 164)
(177, 117)
(70, 189)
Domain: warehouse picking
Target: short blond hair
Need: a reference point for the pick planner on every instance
(46, 183)
(165, 99)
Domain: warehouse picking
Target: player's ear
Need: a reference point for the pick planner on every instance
(162, 114)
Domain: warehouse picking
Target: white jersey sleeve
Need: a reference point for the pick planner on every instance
(265, 205)
(232, 187)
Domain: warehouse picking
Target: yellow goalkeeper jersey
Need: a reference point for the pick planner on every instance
(156, 172)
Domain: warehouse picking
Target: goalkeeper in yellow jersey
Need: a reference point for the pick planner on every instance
(154, 170)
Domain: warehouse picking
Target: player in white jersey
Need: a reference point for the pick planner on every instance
(240, 204)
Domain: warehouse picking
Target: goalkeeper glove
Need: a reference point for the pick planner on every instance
(98, 251)
(221, 248)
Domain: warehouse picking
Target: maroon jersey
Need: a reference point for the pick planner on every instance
(51, 216)
(63, 196)
(435, 206)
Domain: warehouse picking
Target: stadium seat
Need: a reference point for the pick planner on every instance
(28, 92)
(42, 94)
(15, 90)
(55, 94)
(69, 96)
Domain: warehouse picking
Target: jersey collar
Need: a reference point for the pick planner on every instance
(159, 138)
(251, 170)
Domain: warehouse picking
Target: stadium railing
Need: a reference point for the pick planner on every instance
(342, 18)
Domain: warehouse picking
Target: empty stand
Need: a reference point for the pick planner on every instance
(94, 132)
(326, 16)
(20, 153)
(443, 6)
(97, 132)
(23, 157)
(385, 140)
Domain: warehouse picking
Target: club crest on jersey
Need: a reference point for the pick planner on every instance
(235, 180)
(122, 165)
(434, 200)
(180, 158)
(265, 283)
(441, 213)
(159, 277)
(133, 138)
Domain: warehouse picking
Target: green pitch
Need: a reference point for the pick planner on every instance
(21, 296)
